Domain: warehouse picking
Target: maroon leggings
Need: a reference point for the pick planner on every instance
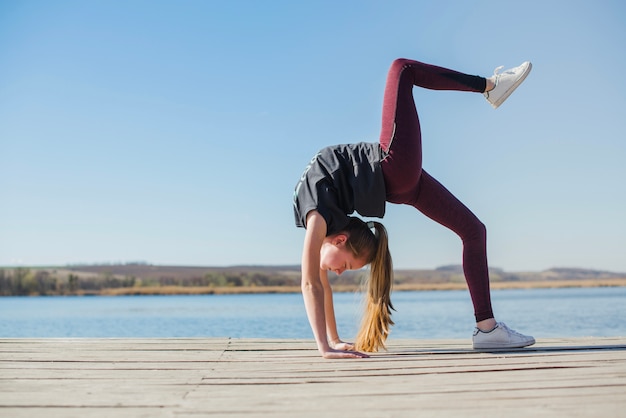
(407, 183)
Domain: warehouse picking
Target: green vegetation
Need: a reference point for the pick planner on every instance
(88, 280)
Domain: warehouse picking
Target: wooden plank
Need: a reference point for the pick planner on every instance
(280, 378)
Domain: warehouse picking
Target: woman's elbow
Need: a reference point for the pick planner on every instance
(310, 286)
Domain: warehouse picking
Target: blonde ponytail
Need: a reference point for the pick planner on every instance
(374, 248)
(376, 323)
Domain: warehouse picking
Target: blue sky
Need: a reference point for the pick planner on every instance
(173, 132)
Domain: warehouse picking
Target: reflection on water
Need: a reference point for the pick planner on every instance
(434, 314)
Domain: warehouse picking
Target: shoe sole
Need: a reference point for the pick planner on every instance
(501, 346)
(510, 91)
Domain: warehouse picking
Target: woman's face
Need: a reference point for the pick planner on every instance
(337, 257)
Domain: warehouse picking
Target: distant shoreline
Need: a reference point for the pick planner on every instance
(240, 290)
(143, 279)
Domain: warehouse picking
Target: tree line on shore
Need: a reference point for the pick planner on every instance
(44, 282)
(141, 278)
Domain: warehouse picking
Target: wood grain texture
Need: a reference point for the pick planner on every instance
(194, 377)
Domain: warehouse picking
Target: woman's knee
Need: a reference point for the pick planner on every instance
(474, 230)
(398, 64)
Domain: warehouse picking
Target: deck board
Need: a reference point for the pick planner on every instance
(189, 377)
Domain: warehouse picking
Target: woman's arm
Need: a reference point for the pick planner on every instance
(312, 288)
(329, 309)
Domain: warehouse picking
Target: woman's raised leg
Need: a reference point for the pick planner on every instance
(400, 134)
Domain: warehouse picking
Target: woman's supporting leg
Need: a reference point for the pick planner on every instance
(436, 202)
(407, 183)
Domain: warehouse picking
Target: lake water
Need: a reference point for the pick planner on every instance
(543, 313)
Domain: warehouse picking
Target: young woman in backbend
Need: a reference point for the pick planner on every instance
(362, 177)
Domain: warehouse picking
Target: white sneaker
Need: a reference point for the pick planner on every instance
(500, 337)
(506, 83)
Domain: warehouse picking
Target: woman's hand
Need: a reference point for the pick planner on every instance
(340, 349)
(339, 354)
(340, 345)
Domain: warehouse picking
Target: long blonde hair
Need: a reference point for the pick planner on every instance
(374, 246)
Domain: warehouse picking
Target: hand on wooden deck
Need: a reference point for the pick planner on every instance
(339, 354)
(343, 346)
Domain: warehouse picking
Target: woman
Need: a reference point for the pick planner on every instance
(363, 177)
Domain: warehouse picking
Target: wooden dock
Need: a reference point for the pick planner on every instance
(225, 377)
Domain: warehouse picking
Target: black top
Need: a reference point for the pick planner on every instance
(339, 180)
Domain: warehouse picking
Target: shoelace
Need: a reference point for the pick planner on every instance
(495, 72)
(512, 331)
(496, 77)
